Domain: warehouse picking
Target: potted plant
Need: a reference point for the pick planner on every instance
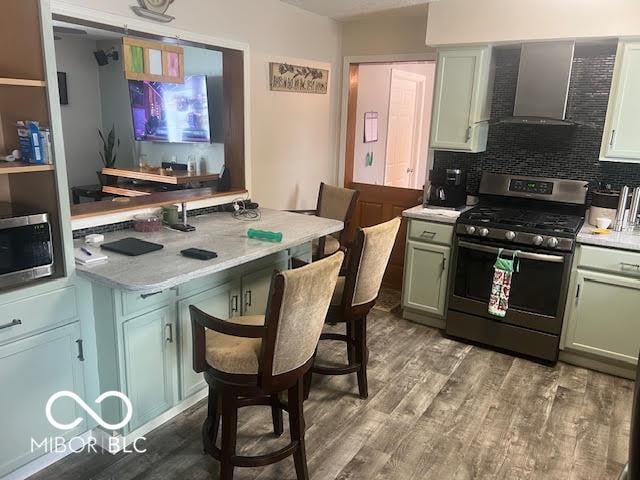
(108, 155)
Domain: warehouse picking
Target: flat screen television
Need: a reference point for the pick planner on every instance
(171, 112)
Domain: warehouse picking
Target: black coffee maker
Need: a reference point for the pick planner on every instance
(448, 188)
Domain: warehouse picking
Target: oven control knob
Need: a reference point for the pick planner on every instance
(552, 242)
(510, 235)
(471, 229)
(537, 240)
(484, 232)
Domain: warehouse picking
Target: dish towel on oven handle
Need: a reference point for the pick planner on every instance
(504, 269)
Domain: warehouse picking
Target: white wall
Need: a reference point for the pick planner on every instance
(81, 119)
(374, 82)
(294, 136)
(380, 34)
(488, 21)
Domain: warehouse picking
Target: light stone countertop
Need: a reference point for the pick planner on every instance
(220, 232)
(622, 240)
(432, 215)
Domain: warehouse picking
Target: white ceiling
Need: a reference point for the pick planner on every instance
(343, 9)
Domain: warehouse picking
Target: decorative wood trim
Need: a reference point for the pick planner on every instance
(173, 177)
(146, 45)
(105, 207)
(22, 82)
(21, 167)
(352, 113)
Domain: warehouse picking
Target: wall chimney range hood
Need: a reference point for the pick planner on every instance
(543, 84)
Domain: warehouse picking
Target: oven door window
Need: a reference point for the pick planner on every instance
(536, 288)
(25, 247)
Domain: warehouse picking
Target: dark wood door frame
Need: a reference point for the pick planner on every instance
(371, 208)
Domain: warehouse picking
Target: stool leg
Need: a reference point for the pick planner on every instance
(362, 356)
(350, 342)
(212, 422)
(229, 434)
(276, 414)
(296, 423)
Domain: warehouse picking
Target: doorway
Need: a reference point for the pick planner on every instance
(387, 107)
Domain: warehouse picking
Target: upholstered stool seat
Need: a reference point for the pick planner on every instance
(331, 246)
(337, 204)
(231, 354)
(252, 360)
(354, 296)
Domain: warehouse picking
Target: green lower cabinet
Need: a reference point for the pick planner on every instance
(150, 364)
(425, 280)
(255, 288)
(219, 302)
(31, 370)
(603, 318)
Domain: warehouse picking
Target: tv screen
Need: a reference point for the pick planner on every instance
(171, 112)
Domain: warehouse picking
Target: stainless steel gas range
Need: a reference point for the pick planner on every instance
(539, 218)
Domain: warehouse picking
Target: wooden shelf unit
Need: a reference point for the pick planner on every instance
(21, 82)
(21, 167)
(23, 96)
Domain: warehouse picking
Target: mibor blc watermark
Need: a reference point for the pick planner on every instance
(63, 445)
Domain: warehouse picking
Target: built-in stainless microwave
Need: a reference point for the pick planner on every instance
(26, 250)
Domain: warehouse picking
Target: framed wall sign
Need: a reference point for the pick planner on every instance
(152, 61)
(284, 77)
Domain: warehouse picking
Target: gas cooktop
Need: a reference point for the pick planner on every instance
(530, 220)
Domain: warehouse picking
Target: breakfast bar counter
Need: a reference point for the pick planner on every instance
(219, 232)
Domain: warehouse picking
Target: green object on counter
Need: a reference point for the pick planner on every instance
(264, 235)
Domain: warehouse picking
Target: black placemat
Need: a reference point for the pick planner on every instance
(132, 246)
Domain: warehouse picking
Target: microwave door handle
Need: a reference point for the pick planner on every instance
(540, 257)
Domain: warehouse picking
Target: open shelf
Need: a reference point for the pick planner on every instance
(21, 167)
(21, 82)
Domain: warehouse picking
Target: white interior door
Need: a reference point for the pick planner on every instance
(406, 105)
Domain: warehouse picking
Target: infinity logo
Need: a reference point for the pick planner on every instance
(89, 410)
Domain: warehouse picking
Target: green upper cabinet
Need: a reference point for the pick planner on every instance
(621, 138)
(219, 302)
(462, 99)
(595, 325)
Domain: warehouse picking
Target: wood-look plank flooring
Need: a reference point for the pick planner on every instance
(438, 409)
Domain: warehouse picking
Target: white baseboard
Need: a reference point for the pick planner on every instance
(103, 441)
(42, 462)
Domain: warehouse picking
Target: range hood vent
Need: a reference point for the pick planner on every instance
(543, 84)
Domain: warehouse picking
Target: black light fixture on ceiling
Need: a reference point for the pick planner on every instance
(102, 57)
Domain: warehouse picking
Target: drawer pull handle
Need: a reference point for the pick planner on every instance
(428, 234)
(144, 296)
(12, 323)
(234, 303)
(634, 266)
(80, 350)
(247, 298)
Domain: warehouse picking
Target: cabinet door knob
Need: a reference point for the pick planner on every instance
(80, 344)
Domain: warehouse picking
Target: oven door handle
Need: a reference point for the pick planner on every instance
(540, 257)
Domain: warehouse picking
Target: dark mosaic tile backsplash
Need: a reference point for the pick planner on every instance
(549, 151)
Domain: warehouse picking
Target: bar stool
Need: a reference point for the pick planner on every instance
(356, 293)
(337, 204)
(249, 360)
